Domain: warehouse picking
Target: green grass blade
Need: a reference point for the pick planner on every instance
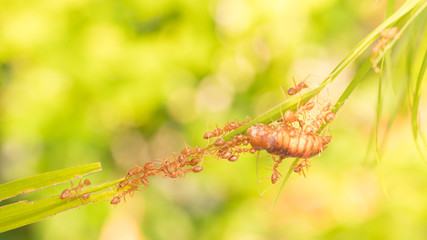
(353, 84)
(371, 37)
(379, 107)
(400, 104)
(369, 146)
(378, 115)
(284, 181)
(23, 213)
(292, 103)
(104, 186)
(416, 99)
(44, 180)
(276, 112)
(415, 106)
(406, 18)
(409, 7)
(391, 4)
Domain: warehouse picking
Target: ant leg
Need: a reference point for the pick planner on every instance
(75, 188)
(305, 85)
(285, 91)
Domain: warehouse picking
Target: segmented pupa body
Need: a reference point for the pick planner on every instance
(286, 141)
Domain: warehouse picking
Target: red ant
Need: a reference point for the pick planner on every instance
(297, 87)
(386, 35)
(123, 184)
(145, 181)
(81, 185)
(67, 192)
(275, 175)
(129, 191)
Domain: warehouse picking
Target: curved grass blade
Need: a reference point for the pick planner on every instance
(44, 180)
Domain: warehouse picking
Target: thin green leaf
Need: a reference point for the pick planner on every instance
(284, 181)
(415, 106)
(369, 146)
(400, 104)
(44, 180)
(378, 116)
(292, 103)
(276, 112)
(408, 17)
(379, 107)
(353, 84)
(391, 4)
(350, 88)
(23, 213)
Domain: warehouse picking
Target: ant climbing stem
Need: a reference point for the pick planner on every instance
(297, 87)
(130, 191)
(188, 160)
(287, 139)
(86, 182)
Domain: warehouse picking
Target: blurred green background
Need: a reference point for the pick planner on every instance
(123, 82)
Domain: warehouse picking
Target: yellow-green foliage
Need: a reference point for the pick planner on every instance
(122, 82)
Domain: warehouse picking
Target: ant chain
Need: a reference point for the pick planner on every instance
(294, 135)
